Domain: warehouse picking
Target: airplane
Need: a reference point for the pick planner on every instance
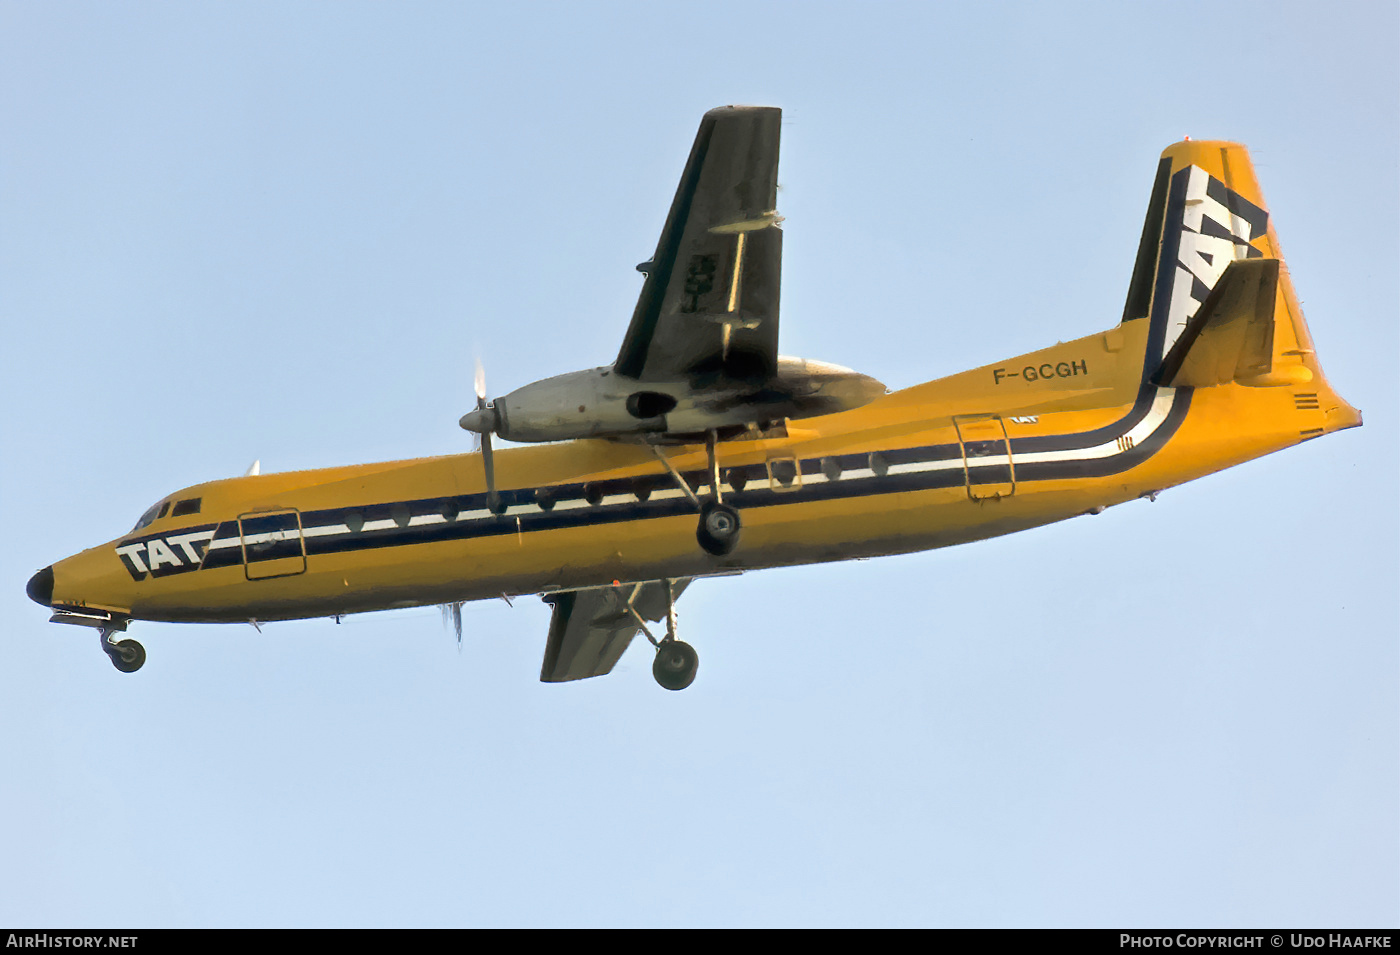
(701, 452)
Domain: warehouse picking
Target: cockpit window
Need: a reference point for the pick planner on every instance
(187, 506)
(155, 512)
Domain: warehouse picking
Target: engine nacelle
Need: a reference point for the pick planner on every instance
(581, 404)
(599, 402)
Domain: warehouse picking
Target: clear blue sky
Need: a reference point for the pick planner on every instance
(281, 230)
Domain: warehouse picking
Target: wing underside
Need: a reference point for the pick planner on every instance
(709, 307)
(591, 628)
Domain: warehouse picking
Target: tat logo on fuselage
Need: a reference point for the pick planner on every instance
(166, 554)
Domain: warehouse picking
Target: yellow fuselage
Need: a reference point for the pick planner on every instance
(920, 468)
(1071, 429)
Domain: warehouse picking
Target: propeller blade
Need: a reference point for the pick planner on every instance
(488, 464)
(452, 614)
(483, 419)
(482, 422)
(479, 436)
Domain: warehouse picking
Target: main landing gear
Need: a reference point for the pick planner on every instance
(719, 526)
(676, 662)
(126, 655)
(718, 532)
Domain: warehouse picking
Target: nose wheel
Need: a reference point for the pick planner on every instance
(126, 655)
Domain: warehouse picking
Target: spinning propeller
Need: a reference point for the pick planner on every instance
(452, 616)
(483, 422)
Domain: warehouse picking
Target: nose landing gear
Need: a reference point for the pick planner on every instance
(126, 655)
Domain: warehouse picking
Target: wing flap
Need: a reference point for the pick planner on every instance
(590, 629)
(1231, 336)
(710, 302)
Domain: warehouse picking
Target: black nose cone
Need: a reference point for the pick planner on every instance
(40, 587)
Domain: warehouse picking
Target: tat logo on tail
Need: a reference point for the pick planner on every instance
(1217, 227)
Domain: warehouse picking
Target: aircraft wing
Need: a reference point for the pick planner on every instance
(591, 628)
(709, 307)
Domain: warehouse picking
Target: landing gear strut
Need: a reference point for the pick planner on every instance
(126, 655)
(676, 662)
(718, 530)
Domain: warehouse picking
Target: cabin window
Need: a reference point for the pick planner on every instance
(646, 485)
(164, 509)
(187, 506)
(784, 471)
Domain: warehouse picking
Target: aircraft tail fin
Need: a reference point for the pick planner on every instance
(1211, 282)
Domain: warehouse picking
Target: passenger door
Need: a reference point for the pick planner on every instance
(987, 466)
(273, 545)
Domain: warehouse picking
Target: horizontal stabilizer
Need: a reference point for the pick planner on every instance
(1231, 336)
